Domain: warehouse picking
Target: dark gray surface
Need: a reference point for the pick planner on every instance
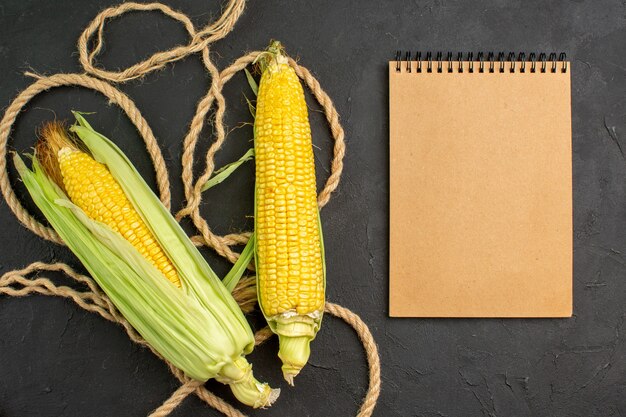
(57, 360)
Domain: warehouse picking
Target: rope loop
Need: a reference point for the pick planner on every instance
(199, 40)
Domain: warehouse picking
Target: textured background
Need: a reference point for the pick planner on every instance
(56, 359)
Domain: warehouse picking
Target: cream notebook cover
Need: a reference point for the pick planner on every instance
(480, 187)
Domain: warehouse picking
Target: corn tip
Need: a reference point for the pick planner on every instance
(273, 396)
(289, 376)
(238, 375)
(275, 53)
(268, 396)
(294, 352)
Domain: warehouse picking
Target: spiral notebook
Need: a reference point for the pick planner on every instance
(480, 186)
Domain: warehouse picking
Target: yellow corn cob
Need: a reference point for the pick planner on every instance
(90, 186)
(289, 252)
(289, 257)
(114, 217)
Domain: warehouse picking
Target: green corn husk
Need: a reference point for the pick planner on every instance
(199, 328)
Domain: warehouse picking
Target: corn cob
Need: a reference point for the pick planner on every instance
(99, 195)
(288, 247)
(198, 327)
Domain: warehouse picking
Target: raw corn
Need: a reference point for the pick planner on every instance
(198, 327)
(288, 246)
(101, 197)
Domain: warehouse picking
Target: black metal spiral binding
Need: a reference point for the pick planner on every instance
(511, 61)
(501, 59)
(533, 62)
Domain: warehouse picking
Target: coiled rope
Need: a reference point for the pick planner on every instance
(19, 283)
